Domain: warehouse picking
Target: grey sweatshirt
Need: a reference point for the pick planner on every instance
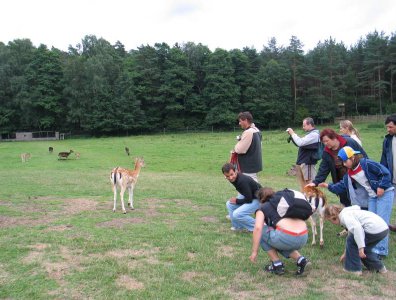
(358, 222)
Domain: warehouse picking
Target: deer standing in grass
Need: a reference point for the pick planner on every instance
(318, 201)
(125, 179)
(64, 154)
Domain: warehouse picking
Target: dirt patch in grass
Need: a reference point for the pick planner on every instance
(193, 276)
(75, 206)
(129, 283)
(209, 219)
(227, 251)
(6, 221)
(121, 223)
(59, 228)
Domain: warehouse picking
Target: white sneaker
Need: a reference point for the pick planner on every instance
(233, 228)
(356, 273)
(228, 217)
(383, 270)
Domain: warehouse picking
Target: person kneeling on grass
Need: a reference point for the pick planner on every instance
(365, 230)
(276, 234)
(241, 207)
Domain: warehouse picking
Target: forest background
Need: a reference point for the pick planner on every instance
(101, 89)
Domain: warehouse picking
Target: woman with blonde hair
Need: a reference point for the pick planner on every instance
(347, 128)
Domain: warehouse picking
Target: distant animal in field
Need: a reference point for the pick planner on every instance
(292, 171)
(127, 151)
(25, 157)
(77, 154)
(318, 201)
(50, 149)
(125, 179)
(64, 155)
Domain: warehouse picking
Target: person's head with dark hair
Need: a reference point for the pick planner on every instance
(229, 172)
(245, 115)
(330, 138)
(264, 194)
(245, 119)
(309, 121)
(308, 124)
(390, 123)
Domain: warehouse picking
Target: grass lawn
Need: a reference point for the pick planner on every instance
(59, 238)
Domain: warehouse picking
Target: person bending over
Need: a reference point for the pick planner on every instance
(365, 230)
(278, 235)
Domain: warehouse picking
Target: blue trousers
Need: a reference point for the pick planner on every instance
(382, 206)
(353, 262)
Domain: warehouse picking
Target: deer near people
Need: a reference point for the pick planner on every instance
(64, 155)
(25, 157)
(125, 179)
(318, 200)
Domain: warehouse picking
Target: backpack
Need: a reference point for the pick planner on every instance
(291, 204)
(319, 152)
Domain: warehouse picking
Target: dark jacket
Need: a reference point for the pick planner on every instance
(387, 157)
(249, 151)
(377, 176)
(307, 147)
(247, 187)
(327, 166)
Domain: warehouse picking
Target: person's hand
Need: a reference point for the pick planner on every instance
(380, 192)
(290, 131)
(361, 253)
(233, 200)
(311, 184)
(323, 184)
(253, 257)
(342, 257)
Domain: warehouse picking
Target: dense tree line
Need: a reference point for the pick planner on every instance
(101, 88)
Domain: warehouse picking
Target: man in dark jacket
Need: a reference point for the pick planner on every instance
(241, 207)
(307, 148)
(331, 163)
(388, 157)
(248, 147)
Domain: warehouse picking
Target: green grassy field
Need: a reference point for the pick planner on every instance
(59, 238)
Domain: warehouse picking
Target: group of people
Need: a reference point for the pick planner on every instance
(365, 189)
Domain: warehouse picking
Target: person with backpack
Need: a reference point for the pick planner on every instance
(307, 148)
(331, 163)
(280, 228)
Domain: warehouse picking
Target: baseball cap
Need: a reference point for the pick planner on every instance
(347, 152)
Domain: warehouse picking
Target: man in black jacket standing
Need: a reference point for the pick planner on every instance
(248, 147)
(307, 148)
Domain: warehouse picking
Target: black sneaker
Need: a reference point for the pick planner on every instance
(278, 270)
(302, 266)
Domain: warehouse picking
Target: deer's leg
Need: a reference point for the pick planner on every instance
(321, 231)
(313, 229)
(114, 187)
(130, 200)
(122, 192)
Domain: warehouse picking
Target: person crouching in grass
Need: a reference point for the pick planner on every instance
(365, 230)
(276, 234)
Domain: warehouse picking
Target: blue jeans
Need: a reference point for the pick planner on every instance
(241, 214)
(282, 242)
(372, 262)
(382, 206)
